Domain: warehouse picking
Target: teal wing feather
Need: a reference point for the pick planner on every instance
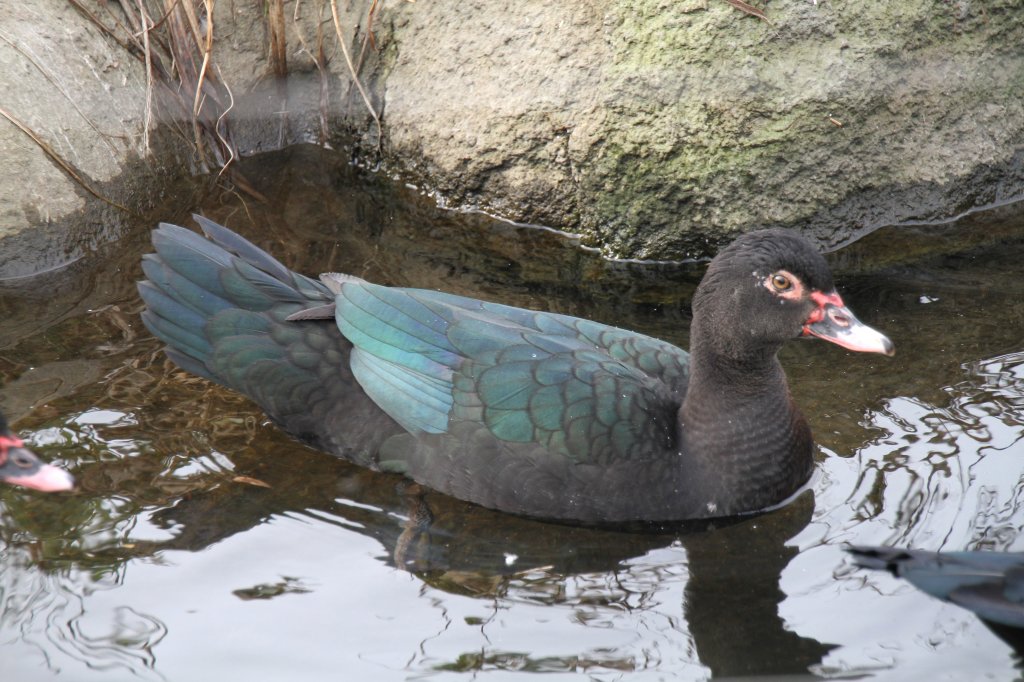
(584, 390)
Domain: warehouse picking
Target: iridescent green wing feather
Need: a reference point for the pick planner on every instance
(587, 391)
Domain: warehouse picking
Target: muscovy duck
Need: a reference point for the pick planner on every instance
(991, 584)
(528, 412)
(20, 466)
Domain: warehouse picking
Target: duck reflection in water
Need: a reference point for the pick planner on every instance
(733, 565)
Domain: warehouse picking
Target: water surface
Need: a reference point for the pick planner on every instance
(205, 544)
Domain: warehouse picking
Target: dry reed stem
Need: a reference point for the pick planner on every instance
(368, 38)
(228, 146)
(207, 50)
(352, 71)
(141, 52)
(319, 60)
(128, 14)
(191, 89)
(92, 17)
(147, 121)
(277, 38)
(193, 21)
(278, 57)
(196, 89)
(749, 9)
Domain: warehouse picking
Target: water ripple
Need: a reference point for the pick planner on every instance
(936, 477)
(43, 615)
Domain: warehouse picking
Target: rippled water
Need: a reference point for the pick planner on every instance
(204, 544)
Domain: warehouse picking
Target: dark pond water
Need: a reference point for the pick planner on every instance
(171, 563)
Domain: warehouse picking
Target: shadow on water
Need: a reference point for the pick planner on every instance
(204, 542)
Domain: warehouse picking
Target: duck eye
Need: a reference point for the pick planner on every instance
(781, 282)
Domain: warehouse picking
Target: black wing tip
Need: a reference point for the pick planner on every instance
(879, 558)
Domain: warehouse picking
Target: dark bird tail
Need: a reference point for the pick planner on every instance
(221, 305)
(201, 291)
(991, 584)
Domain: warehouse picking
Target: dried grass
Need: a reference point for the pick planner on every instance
(175, 43)
(174, 39)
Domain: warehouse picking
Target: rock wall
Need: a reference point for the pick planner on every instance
(72, 112)
(654, 126)
(654, 129)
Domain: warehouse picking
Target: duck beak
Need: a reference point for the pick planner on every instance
(833, 321)
(22, 467)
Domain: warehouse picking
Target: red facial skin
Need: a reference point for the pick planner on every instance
(818, 314)
(830, 319)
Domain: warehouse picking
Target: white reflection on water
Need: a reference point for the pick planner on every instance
(938, 478)
(327, 598)
(48, 624)
(353, 616)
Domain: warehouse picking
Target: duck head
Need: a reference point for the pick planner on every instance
(21, 466)
(770, 286)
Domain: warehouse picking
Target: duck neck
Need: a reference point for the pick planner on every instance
(744, 438)
(753, 370)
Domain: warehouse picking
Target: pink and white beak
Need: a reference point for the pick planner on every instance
(833, 321)
(20, 466)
